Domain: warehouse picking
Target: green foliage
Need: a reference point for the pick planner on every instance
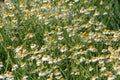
(60, 40)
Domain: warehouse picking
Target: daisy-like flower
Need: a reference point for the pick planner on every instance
(76, 0)
(80, 60)
(1, 24)
(94, 59)
(91, 8)
(45, 57)
(116, 66)
(93, 49)
(111, 77)
(91, 68)
(94, 77)
(103, 68)
(48, 70)
(85, 1)
(29, 35)
(96, 13)
(118, 71)
(58, 77)
(101, 62)
(63, 48)
(40, 16)
(41, 73)
(60, 37)
(51, 61)
(8, 75)
(87, 12)
(36, 51)
(58, 60)
(52, 32)
(33, 46)
(22, 5)
(14, 67)
(1, 76)
(14, 19)
(18, 48)
(57, 15)
(38, 62)
(82, 10)
(105, 13)
(104, 50)
(70, 4)
(57, 72)
(43, 48)
(64, 9)
(1, 64)
(116, 35)
(87, 61)
(25, 78)
(101, 2)
(91, 21)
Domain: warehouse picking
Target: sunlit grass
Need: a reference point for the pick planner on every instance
(60, 40)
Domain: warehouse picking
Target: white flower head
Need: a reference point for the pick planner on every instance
(63, 48)
(60, 38)
(45, 58)
(38, 62)
(33, 46)
(18, 49)
(42, 74)
(111, 77)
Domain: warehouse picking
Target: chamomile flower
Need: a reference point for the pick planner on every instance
(43, 48)
(51, 61)
(58, 77)
(1, 24)
(76, 0)
(111, 77)
(1, 76)
(57, 72)
(1, 64)
(118, 71)
(70, 3)
(14, 19)
(93, 49)
(91, 68)
(105, 13)
(103, 68)
(38, 62)
(94, 77)
(42, 73)
(101, 2)
(18, 48)
(96, 13)
(14, 67)
(45, 57)
(22, 5)
(59, 32)
(33, 46)
(82, 10)
(64, 48)
(94, 59)
(25, 77)
(60, 37)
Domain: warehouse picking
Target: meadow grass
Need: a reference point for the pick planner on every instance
(60, 40)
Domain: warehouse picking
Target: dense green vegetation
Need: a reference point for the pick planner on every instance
(60, 40)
